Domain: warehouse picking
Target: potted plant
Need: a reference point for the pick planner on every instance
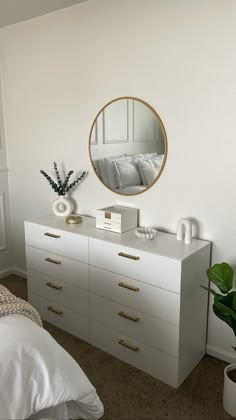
(224, 307)
(62, 206)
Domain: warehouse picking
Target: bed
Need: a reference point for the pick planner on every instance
(129, 174)
(39, 378)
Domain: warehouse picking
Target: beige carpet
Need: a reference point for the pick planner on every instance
(129, 394)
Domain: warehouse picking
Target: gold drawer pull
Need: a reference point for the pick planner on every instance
(129, 346)
(52, 235)
(52, 261)
(54, 286)
(131, 317)
(55, 311)
(131, 257)
(127, 286)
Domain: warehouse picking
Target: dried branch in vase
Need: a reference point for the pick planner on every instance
(63, 187)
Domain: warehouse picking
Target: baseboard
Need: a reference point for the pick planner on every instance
(5, 273)
(18, 272)
(13, 271)
(224, 355)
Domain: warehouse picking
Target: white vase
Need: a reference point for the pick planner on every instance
(62, 206)
(229, 394)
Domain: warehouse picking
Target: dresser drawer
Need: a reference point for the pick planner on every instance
(158, 364)
(149, 330)
(57, 241)
(57, 267)
(65, 319)
(150, 268)
(144, 297)
(60, 292)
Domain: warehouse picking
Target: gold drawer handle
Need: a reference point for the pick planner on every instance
(52, 235)
(131, 317)
(127, 286)
(54, 286)
(131, 257)
(52, 261)
(55, 311)
(129, 346)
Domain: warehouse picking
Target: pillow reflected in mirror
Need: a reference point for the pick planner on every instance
(127, 174)
(119, 172)
(128, 145)
(148, 171)
(111, 172)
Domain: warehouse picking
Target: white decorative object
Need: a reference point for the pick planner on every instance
(62, 206)
(131, 298)
(184, 231)
(229, 400)
(146, 233)
(117, 218)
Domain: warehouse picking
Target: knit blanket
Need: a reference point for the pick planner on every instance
(10, 304)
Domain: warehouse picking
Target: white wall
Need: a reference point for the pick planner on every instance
(3, 156)
(179, 56)
(6, 260)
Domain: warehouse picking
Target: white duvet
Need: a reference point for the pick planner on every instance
(37, 373)
(132, 189)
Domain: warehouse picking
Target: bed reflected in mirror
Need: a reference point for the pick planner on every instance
(128, 146)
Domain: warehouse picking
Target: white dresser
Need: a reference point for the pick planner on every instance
(139, 300)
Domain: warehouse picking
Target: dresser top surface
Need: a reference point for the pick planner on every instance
(164, 244)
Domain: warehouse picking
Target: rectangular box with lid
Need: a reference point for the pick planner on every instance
(117, 218)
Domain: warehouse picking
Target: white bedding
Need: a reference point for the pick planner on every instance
(129, 174)
(37, 373)
(132, 189)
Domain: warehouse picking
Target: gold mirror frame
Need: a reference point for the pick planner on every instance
(164, 138)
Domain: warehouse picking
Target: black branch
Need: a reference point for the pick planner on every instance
(60, 187)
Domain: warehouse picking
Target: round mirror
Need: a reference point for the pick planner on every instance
(128, 146)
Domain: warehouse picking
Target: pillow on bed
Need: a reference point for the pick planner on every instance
(107, 169)
(147, 170)
(138, 156)
(111, 170)
(96, 168)
(127, 173)
(102, 170)
(157, 161)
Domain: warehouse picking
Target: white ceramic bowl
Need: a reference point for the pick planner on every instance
(146, 233)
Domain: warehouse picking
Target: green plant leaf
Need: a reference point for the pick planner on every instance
(225, 313)
(229, 300)
(222, 276)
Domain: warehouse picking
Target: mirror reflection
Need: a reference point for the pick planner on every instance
(128, 146)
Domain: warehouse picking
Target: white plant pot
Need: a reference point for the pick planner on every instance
(62, 206)
(229, 394)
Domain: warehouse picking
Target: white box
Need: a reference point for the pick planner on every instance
(117, 218)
